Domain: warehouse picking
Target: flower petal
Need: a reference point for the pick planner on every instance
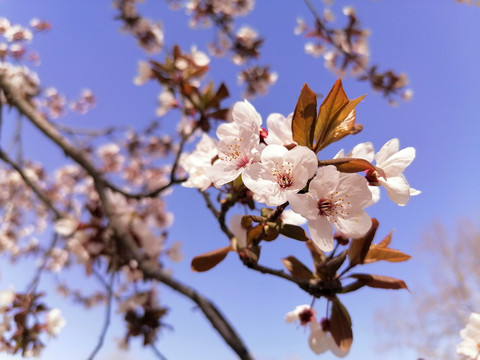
(321, 233)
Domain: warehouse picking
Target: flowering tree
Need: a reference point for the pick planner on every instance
(105, 210)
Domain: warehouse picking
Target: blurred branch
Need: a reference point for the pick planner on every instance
(106, 323)
(31, 184)
(152, 271)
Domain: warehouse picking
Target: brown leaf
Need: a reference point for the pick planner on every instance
(304, 117)
(210, 259)
(381, 251)
(380, 282)
(336, 118)
(297, 268)
(294, 232)
(386, 240)
(341, 325)
(359, 247)
(377, 253)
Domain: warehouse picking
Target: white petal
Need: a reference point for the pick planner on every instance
(354, 226)
(303, 204)
(318, 341)
(303, 157)
(396, 164)
(397, 188)
(279, 129)
(321, 233)
(244, 112)
(325, 181)
(354, 189)
(273, 154)
(414, 192)
(387, 150)
(363, 151)
(223, 172)
(291, 217)
(238, 230)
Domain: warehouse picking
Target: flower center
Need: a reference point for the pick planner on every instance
(333, 207)
(325, 207)
(283, 173)
(242, 161)
(284, 180)
(235, 154)
(306, 316)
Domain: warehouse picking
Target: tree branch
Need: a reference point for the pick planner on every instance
(213, 314)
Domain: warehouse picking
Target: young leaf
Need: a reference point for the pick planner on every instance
(381, 251)
(297, 269)
(210, 259)
(377, 253)
(293, 232)
(359, 247)
(304, 117)
(341, 325)
(380, 282)
(336, 118)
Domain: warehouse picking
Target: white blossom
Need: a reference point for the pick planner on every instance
(238, 145)
(55, 322)
(280, 172)
(197, 163)
(336, 199)
(470, 345)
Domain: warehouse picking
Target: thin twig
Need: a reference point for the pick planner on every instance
(35, 281)
(157, 352)
(106, 323)
(31, 184)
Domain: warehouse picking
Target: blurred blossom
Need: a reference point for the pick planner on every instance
(197, 163)
(470, 345)
(40, 25)
(55, 322)
(4, 25)
(301, 26)
(6, 299)
(167, 101)
(314, 49)
(17, 33)
(145, 73)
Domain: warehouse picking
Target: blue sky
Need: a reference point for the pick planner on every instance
(435, 44)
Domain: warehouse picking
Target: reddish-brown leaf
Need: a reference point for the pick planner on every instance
(336, 117)
(210, 259)
(377, 253)
(294, 232)
(304, 117)
(381, 251)
(380, 282)
(341, 325)
(297, 268)
(359, 247)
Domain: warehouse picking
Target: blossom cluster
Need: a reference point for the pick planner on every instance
(15, 322)
(277, 170)
(346, 50)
